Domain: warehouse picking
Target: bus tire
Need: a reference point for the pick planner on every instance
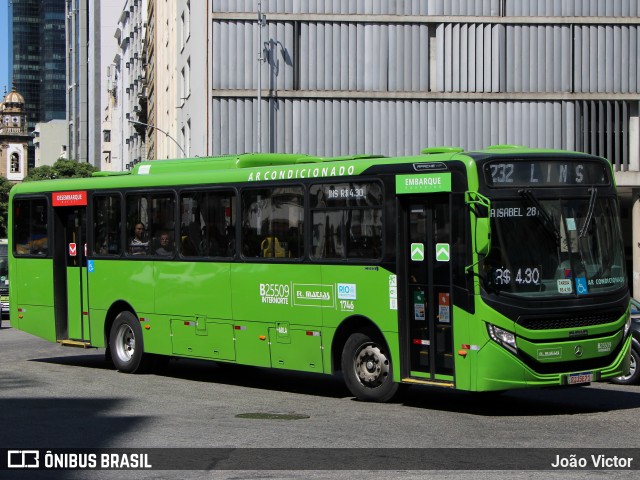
(126, 345)
(366, 367)
(634, 370)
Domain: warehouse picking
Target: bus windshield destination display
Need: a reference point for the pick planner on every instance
(544, 173)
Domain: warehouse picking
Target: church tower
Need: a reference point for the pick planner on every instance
(13, 137)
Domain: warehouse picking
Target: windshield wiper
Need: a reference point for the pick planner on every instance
(545, 218)
(589, 216)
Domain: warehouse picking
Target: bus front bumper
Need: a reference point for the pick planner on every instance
(498, 369)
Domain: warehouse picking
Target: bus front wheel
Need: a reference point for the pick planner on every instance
(125, 343)
(366, 366)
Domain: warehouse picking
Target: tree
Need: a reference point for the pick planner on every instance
(5, 187)
(61, 169)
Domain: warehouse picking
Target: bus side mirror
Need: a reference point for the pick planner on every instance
(480, 207)
(483, 236)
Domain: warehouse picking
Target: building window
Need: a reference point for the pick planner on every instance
(187, 138)
(187, 77)
(182, 33)
(106, 135)
(15, 163)
(182, 87)
(187, 18)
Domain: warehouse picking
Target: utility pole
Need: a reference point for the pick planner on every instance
(262, 22)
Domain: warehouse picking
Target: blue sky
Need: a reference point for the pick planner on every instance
(4, 49)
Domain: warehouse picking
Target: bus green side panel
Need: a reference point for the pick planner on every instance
(199, 338)
(189, 289)
(74, 314)
(32, 282)
(130, 281)
(360, 290)
(296, 349)
(463, 365)
(363, 291)
(252, 344)
(277, 292)
(32, 292)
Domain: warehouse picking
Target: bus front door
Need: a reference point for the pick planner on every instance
(425, 252)
(70, 276)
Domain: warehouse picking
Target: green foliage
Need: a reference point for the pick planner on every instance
(5, 187)
(61, 169)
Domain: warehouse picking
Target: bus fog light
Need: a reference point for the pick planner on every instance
(502, 337)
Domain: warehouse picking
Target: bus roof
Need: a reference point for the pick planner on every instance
(250, 167)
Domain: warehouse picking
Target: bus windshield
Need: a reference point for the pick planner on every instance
(554, 247)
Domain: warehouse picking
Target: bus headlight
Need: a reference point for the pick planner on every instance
(502, 337)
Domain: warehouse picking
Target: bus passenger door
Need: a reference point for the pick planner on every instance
(425, 251)
(70, 275)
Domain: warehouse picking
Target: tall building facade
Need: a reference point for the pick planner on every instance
(90, 26)
(38, 59)
(162, 79)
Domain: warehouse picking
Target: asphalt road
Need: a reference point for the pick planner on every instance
(54, 397)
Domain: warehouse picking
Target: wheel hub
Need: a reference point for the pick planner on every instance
(372, 366)
(125, 345)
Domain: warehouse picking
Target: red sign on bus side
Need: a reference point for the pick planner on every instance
(73, 250)
(69, 199)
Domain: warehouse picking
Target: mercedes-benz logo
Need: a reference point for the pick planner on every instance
(578, 351)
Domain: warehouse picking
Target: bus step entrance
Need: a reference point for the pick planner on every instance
(74, 343)
(419, 381)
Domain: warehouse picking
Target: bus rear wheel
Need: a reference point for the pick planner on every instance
(366, 366)
(125, 343)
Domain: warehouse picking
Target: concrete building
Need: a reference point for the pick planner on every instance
(164, 106)
(49, 141)
(90, 25)
(127, 82)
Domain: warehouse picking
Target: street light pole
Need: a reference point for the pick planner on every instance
(161, 131)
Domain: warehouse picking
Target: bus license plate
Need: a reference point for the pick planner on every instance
(577, 378)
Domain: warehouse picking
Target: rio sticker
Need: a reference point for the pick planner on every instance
(347, 291)
(346, 296)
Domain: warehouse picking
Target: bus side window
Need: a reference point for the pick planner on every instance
(107, 221)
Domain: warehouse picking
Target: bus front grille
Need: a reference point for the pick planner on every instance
(573, 321)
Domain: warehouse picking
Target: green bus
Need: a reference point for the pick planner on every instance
(490, 270)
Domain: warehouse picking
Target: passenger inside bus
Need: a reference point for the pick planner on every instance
(166, 245)
(138, 245)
